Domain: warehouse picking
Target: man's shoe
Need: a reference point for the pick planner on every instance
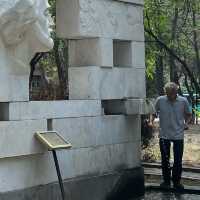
(165, 185)
(178, 186)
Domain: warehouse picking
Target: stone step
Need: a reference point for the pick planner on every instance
(186, 168)
(187, 189)
(154, 175)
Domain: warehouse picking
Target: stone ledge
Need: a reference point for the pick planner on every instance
(49, 109)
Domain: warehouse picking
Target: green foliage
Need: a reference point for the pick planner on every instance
(197, 112)
(151, 68)
(52, 8)
(172, 21)
(49, 60)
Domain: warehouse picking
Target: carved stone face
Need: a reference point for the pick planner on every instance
(24, 31)
(41, 28)
(24, 26)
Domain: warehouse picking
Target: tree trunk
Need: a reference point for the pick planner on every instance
(182, 62)
(195, 38)
(61, 57)
(173, 68)
(159, 75)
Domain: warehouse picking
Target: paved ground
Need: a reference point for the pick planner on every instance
(169, 196)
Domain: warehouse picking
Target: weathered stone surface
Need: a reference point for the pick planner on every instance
(99, 18)
(17, 137)
(49, 109)
(104, 83)
(91, 52)
(95, 131)
(40, 169)
(129, 106)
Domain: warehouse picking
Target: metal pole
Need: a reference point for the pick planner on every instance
(59, 174)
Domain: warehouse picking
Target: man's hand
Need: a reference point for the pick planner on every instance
(188, 121)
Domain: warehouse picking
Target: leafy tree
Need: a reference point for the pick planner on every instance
(172, 42)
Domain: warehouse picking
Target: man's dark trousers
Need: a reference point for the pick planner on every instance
(178, 146)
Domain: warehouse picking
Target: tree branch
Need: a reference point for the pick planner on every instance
(172, 53)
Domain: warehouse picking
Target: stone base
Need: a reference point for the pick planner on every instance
(127, 184)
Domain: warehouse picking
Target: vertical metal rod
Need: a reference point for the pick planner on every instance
(59, 174)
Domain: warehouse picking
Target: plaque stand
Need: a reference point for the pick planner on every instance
(53, 141)
(59, 174)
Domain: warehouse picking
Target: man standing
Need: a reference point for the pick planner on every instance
(174, 115)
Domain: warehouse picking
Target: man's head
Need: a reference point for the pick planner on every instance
(171, 90)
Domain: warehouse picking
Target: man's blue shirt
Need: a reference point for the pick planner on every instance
(172, 117)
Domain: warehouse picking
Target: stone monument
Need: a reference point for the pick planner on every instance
(106, 90)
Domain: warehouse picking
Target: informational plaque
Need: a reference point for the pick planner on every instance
(52, 140)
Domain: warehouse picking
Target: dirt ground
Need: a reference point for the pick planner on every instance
(191, 147)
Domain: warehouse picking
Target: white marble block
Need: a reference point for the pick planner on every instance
(97, 131)
(17, 137)
(105, 83)
(99, 18)
(14, 87)
(49, 109)
(91, 52)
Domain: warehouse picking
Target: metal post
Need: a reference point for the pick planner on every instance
(59, 174)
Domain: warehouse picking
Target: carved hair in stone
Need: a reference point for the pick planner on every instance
(24, 29)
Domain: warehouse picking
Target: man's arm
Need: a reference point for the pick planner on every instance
(188, 114)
